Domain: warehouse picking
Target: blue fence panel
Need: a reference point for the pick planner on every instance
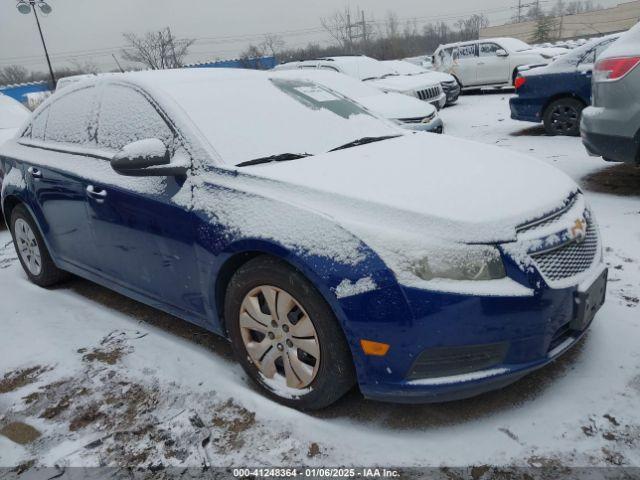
(262, 63)
(20, 92)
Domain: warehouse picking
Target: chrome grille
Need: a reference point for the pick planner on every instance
(570, 259)
(428, 93)
(548, 220)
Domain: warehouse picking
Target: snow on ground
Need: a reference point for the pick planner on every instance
(88, 377)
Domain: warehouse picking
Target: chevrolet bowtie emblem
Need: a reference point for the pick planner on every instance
(579, 230)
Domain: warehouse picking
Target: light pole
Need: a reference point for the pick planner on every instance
(26, 7)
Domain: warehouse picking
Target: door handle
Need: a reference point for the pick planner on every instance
(96, 193)
(34, 172)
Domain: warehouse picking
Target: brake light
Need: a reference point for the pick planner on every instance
(611, 69)
(520, 81)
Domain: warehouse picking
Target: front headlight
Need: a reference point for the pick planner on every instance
(429, 118)
(469, 263)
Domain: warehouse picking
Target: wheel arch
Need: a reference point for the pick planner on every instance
(559, 96)
(245, 251)
(8, 204)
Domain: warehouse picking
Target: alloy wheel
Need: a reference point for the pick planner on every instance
(28, 246)
(564, 118)
(279, 336)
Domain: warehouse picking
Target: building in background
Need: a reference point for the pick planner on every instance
(570, 27)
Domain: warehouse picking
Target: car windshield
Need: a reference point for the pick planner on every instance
(364, 68)
(248, 116)
(577, 55)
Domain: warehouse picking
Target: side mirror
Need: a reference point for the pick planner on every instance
(146, 158)
(502, 53)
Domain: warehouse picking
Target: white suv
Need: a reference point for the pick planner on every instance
(377, 74)
(488, 62)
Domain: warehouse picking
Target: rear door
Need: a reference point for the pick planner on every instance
(143, 235)
(492, 69)
(58, 136)
(465, 60)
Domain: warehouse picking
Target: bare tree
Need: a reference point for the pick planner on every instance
(272, 44)
(13, 74)
(253, 57)
(470, 27)
(337, 25)
(157, 50)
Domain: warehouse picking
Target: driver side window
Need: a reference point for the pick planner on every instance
(127, 116)
(489, 49)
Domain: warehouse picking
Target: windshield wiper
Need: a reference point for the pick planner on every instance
(283, 157)
(363, 141)
(387, 75)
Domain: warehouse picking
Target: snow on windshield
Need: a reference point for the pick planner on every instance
(347, 86)
(12, 113)
(363, 68)
(249, 116)
(586, 54)
(405, 68)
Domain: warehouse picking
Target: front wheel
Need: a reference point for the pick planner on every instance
(285, 335)
(32, 251)
(562, 117)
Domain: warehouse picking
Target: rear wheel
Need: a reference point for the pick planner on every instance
(562, 117)
(285, 335)
(32, 251)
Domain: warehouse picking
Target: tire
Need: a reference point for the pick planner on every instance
(32, 251)
(322, 380)
(562, 117)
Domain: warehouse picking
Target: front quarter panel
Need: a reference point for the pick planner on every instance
(354, 281)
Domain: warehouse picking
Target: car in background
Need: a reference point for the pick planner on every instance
(557, 94)
(424, 61)
(448, 82)
(611, 126)
(330, 246)
(491, 62)
(12, 115)
(73, 79)
(378, 75)
(408, 112)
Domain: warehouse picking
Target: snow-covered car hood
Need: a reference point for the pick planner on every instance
(403, 83)
(447, 188)
(397, 106)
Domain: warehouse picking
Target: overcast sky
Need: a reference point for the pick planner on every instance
(92, 29)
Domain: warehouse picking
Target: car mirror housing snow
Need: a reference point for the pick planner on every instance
(146, 158)
(502, 53)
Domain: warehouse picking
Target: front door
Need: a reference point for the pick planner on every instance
(492, 69)
(144, 236)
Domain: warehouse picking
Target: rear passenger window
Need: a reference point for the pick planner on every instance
(71, 118)
(127, 116)
(39, 124)
(467, 51)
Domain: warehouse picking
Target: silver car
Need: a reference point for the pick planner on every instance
(611, 127)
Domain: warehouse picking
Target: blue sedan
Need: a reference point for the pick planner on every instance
(331, 247)
(557, 93)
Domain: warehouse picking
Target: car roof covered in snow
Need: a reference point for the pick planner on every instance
(628, 44)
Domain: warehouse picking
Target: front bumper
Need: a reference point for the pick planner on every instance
(526, 109)
(452, 92)
(532, 331)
